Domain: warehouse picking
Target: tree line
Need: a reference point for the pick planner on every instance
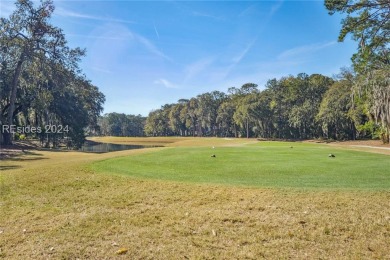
(354, 105)
(42, 87)
(292, 107)
(116, 124)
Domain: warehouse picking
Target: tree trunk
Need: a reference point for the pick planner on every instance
(386, 135)
(14, 88)
(247, 128)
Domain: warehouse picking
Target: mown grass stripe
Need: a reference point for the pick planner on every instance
(267, 164)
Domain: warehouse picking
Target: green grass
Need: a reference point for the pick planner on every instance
(266, 164)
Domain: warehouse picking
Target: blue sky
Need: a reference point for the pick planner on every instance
(144, 54)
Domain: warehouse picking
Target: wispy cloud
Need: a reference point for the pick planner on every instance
(253, 9)
(121, 33)
(166, 83)
(150, 46)
(201, 14)
(243, 53)
(197, 67)
(276, 7)
(68, 13)
(248, 10)
(220, 73)
(155, 29)
(216, 68)
(304, 50)
(223, 72)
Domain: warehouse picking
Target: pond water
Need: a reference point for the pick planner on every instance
(94, 147)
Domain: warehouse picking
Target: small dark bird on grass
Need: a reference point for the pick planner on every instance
(331, 155)
(213, 155)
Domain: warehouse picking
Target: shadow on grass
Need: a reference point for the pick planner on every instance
(31, 153)
(9, 167)
(21, 159)
(17, 154)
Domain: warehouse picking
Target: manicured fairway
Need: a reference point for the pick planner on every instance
(265, 164)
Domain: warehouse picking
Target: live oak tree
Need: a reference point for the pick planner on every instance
(368, 21)
(262, 114)
(41, 80)
(116, 124)
(208, 104)
(177, 118)
(157, 122)
(242, 116)
(334, 114)
(27, 37)
(376, 86)
(226, 124)
(242, 99)
(192, 120)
